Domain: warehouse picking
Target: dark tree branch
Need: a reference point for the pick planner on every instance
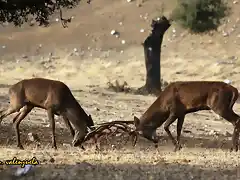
(19, 11)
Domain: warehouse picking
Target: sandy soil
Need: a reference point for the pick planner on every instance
(99, 59)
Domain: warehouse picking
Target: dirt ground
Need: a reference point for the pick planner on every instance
(100, 57)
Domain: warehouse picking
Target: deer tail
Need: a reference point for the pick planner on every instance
(235, 98)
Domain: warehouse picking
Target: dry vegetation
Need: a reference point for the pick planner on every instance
(206, 138)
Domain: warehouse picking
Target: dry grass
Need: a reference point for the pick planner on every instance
(135, 163)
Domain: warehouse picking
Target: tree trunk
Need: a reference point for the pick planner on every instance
(152, 53)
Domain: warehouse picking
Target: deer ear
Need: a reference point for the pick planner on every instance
(136, 121)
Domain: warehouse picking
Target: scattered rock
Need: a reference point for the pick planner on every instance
(114, 32)
(33, 137)
(24, 56)
(51, 160)
(187, 131)
(210, 41)
(225, 34)
(123, 41)
(75, 50)
(97, 109)
(142, 30)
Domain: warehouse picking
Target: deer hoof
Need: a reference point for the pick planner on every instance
(54, 147)
(97, 148)
(235, 149)
(177, 148)
(76, 143)
(20, 146)
(83, 148)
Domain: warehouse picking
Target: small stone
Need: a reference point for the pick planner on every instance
(97, 109)
(51, 160)
(212, 132)
(235, 2)
(121, 51)
(210, 41)
(174, 30)
(225, 34)
(24, 56)
(3, 46)
(33, 137)
(129, 0)
(57, 19)
(142, 30)
(117, 36)
(123, 41)
(113, 32)
(75, 50)
(120, 23)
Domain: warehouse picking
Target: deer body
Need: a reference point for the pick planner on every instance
(53, 96)
(181, 98)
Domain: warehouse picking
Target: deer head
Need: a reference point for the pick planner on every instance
(145, 129)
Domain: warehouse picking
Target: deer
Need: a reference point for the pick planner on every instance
(56, 98)
(183, 97)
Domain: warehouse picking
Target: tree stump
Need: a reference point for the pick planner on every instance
(152, 53)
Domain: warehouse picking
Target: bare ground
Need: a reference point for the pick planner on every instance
(99, 59)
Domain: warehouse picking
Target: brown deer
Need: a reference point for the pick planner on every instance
(53, 96)
(181, 98)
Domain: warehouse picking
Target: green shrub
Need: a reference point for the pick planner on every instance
(200, 15)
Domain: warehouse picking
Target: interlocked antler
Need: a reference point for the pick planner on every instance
(119, 125)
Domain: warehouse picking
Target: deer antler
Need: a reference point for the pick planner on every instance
(119, 125)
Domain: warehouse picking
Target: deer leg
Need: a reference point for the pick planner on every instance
(233, 118)
(7, 112)
(172, 117)
(179, 130)
(52, 124)
(235, 139)
(78, 138)
(17, 119)
(68, 124)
